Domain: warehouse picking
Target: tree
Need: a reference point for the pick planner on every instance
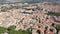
(38, 31)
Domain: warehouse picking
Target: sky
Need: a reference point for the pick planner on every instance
(19, 0)
(29, 0)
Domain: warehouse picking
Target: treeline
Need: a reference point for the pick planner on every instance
(54, 13)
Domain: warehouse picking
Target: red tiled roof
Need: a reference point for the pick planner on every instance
(51, 33)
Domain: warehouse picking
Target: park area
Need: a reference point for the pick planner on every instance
(11, 30)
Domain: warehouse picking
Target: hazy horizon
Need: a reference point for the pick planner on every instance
(57, 1)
